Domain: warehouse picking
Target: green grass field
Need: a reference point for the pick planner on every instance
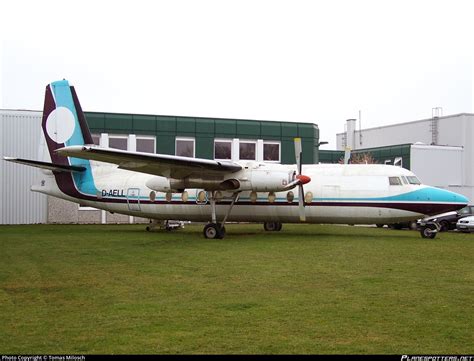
(308, 289)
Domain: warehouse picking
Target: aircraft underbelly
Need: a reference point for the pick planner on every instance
(266, 213)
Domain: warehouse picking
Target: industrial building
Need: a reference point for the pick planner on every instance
(209, 138)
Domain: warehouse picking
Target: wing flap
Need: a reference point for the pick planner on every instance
(157, 164)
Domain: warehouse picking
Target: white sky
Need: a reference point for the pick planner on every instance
(307, 61)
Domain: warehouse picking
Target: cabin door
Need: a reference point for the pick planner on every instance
(133, 199)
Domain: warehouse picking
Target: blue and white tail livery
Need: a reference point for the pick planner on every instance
(162, 187)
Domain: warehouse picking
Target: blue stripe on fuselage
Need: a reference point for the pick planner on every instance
(425, 194)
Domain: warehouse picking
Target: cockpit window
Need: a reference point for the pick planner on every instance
(394, 181)
(413, 180)
(404, 179)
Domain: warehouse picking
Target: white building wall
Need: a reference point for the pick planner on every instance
(425, 160)
(451, 131)
(20, 136)
(459, 130)
(449, 164)
(395, 134)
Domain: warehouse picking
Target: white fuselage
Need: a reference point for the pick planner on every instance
(359, 194)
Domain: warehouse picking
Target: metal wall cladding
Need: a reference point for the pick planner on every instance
(205, 130)
(20, 134)
(379, 154)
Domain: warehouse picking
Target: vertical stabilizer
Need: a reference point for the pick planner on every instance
(64, 124)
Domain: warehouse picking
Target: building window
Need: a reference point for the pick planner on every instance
(118, 142)
(96, 139)
(222, 149)
(247, 150)
(185, 147)
(271, 151)
(146, 144)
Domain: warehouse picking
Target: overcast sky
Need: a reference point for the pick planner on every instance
(306, 61)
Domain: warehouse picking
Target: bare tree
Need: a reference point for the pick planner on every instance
(360, 158)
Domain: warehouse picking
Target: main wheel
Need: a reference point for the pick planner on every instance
(214, 231)
(272, 226)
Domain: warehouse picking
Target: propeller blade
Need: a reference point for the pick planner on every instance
(298, 154)
(301, 203)
(347, 155)
(300, 178)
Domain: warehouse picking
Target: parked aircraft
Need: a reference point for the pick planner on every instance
(161, 187)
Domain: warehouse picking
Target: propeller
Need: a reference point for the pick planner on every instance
(302, 179)
(347, 155)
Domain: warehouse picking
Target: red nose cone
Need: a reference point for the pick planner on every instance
(303, 179)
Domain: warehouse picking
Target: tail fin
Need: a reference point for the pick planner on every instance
(64, 123)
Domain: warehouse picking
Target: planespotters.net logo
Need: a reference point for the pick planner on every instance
(437, 358)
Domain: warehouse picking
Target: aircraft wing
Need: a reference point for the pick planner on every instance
(164, 165)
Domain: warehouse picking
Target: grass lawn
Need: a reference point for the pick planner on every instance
(308, 289)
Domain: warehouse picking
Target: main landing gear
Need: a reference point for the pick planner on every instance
(216, 230)
(272, 226)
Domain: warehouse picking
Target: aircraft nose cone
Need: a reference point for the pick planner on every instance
(303, 179)
(461, 199)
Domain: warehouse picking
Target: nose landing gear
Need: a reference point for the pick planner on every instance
(429, 229)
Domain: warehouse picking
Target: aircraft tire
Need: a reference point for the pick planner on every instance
(214, 231)
(427, 232)
(272, 226)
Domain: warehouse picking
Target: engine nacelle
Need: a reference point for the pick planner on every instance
(260, 180)
(160, 184)
(269, 181)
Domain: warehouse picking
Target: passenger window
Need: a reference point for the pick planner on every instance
(394, 181)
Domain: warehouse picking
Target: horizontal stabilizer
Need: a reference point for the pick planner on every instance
(46, 165)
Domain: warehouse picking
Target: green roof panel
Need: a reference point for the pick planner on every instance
(144, 122)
